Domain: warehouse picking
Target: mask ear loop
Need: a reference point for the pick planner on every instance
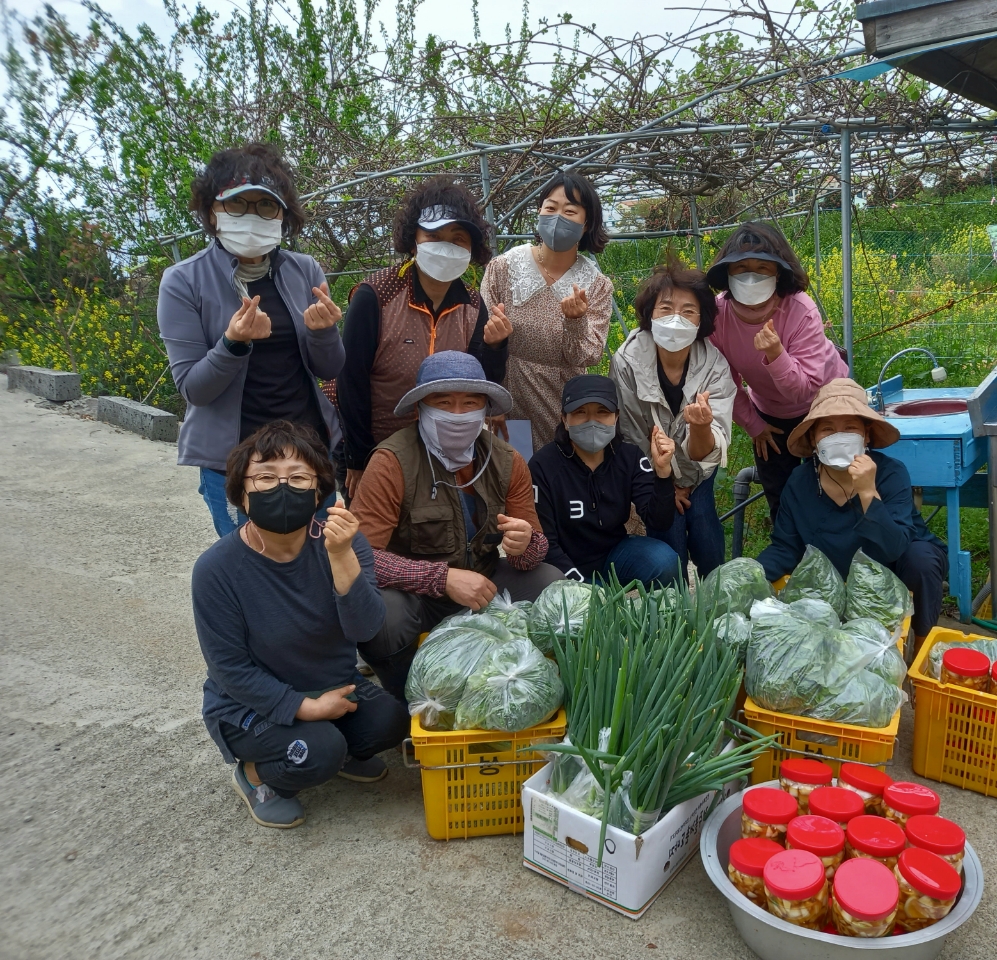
(316, 524)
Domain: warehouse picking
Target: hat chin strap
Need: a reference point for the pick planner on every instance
(460, 486)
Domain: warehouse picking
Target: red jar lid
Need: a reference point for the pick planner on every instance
(796, 874)
(866, 889)
(769, 805)
(966, 662)
(750, 856)
(806, 771)
(876, 836)
(911, 798)
(926, 872)
(993, 672)
(936, 834)
(869, 779)
(836, 803)
(816, 834)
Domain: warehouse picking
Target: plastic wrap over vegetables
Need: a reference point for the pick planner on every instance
(874, 591)
(447, 657)
(865, 699)
(816, 578)
(736, 585)
(887, 661)
(933, 665)
(819, 611)
(515, 616)
(514, 687)
(562, 605)
(734, 630)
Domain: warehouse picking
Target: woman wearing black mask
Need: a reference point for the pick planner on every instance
(585, 481)
(279, 606)
(554, 304)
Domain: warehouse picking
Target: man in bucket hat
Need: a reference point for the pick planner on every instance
(437, 500)
(849, 497)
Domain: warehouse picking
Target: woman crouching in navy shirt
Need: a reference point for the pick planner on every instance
(584, 482)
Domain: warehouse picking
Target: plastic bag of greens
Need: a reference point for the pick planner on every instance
(815, 577)
(933, 665)
(622, 813)
(514, 687)
(583, 792)
(734, 630)
(564, 769)
(866, 700)
(736, 585)
(874, 591)
(887, 661)
(447, 657)
(819, 611)
(557, 599)
(515, 616)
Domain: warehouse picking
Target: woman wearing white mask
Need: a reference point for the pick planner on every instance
(851, 498)
(248, 326)
(554, 305)
(400, 315)
(671, 377)
(773, 338)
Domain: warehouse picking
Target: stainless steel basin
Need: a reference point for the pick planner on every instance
(932, 407)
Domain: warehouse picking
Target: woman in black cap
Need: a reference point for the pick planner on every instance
(585, 481)
(772, 336)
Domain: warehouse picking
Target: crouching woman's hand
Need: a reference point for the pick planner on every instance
(340, 529)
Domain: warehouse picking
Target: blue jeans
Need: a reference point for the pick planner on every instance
(698, 532)
(651, 561)
(225, 517)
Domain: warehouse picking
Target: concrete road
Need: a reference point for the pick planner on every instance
(121, 836)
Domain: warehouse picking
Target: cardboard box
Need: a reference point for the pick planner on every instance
(562, 843)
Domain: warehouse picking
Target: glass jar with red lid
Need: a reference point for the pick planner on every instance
(867, 782)
(940, 836)
(902, 799)
(796, 888)
(822, 837)
(865, 899)
(837, 804)
(928, 888)
(746, 865)
(993, 678)
(966, 667)
(874, 838)
(799, 777)
(765, 812)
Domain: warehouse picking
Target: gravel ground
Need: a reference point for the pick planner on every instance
(122, 837)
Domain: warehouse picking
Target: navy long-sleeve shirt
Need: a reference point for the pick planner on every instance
(807, 515)
(272, 632)
(584, 512)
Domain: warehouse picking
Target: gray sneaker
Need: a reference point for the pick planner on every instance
(364, 771)
(267, 808)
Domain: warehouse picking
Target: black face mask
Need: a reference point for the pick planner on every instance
(283, 509)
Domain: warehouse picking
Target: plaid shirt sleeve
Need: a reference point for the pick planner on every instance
(533, 555)
(413, 576)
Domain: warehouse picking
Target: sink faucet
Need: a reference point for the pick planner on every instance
(937, 373)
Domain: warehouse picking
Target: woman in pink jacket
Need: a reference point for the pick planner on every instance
(772, 336)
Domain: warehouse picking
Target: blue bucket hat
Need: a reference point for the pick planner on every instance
(451, 370)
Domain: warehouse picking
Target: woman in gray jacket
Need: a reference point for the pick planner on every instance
(248, 326)
(669, 375)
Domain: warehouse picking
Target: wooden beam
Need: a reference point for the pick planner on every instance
(948, 20)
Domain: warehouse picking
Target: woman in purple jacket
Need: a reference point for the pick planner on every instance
(248, 326)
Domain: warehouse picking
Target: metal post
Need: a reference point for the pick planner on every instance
(992, 502)
(697, 242)
(176, 252)
(817, 243)
(846, 245)
(486, 195)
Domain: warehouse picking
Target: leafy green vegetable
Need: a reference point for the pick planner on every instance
(818, 611)
(866, 700)
(734, 631)
(513, 687)
(735, 585)
(515, 616)
(561, 608)
(874, 591)
(816, 577)
(887, 661)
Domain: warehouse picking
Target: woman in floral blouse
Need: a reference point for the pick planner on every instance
(553, 304)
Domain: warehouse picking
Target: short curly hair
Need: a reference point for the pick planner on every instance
(257, 163)
(579, 189)
(667, 277)
(440, 191)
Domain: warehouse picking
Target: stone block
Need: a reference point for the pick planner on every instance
(131, 415)
(56, 385)
(9, 358)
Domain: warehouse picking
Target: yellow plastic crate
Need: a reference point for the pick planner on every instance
(955, 729)
(472, 780)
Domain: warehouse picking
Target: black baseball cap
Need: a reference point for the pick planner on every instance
(589, 388)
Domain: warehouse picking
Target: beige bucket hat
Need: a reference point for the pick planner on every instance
(842, 398)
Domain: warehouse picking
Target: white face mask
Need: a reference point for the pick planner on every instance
(673, 333)
(840, 449)
(441, 260)
(750, 289)
(449, 436)
(247, 236)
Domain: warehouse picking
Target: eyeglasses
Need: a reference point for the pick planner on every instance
(264, 482)
(239, 206)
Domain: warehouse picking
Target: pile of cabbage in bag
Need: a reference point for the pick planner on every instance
(877, 592)
(734, 586)
(815, 578)
(561, 607)
(461, 647)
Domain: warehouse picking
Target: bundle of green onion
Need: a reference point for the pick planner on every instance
(651, 676)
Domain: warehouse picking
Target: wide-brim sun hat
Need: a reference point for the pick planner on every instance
(449, 371)
(842, 398)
